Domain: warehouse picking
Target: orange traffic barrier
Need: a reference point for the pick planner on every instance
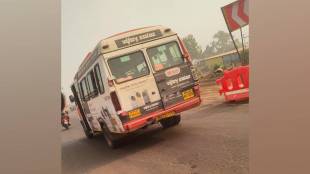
(235, 84)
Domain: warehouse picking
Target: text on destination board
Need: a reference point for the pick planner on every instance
(138, 38)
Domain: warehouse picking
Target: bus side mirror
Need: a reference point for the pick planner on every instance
(71, 97)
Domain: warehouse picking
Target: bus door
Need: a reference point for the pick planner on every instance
(80, 108)
(172, 74)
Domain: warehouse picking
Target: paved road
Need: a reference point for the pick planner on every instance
(210, 94)
(211, 139)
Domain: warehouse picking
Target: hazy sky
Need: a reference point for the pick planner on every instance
(85, 22)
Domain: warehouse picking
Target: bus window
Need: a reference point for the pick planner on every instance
(80, 91)
(87, 86)
(165, 56)
(91, 84)
(128, 67)
(98, 79)
(84, 89)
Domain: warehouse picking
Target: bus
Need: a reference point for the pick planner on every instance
(132, 80)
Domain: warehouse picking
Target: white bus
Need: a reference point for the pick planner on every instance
(134, 79)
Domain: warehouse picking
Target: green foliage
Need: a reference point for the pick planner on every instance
(221, 43)
(192, 46)
(245, 56)
(216, 66)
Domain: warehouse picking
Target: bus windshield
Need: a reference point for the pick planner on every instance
(165, 56)
(128, 67)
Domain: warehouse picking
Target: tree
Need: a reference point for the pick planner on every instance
(192, 46)
(208, 52)
(221, 43)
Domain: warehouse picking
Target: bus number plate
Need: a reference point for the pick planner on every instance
(188, 94)
(134, 113)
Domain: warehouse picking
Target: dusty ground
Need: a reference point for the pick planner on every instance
(211, 139)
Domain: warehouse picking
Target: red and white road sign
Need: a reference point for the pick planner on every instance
(236, 14)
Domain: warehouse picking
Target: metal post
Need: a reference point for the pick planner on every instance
(243, 63)
(232, 38)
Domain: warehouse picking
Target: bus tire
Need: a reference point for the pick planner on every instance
(113, 140)
(88, 133)
(171, 121)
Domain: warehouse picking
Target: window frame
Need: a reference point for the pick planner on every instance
(152, 63)
(85, 97)
(126, 54)
(101, 91)
(81, 90)
(94, 93)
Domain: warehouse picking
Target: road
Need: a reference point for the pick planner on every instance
(211, 139)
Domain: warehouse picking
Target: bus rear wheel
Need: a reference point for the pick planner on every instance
(171, 121)
(113, 141)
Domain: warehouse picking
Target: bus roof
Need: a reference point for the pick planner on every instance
(123, 40)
